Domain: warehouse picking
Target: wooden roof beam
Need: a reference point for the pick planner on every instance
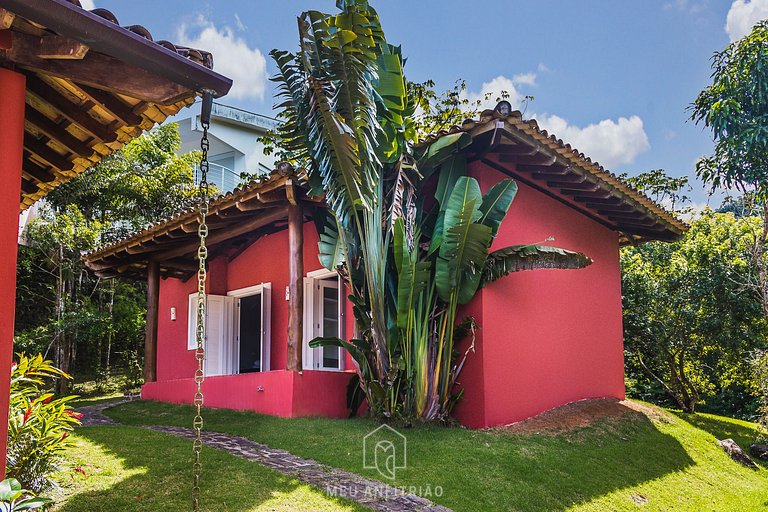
(568, 177)
(56, 132)
(621, 208)
(538, 159)
(235, 231)
(70, 59)
(188, 247)
(610, 199)
(517, 149)
(122, 111)
(41, 150)
(631, 221)
(75, 113)
(35, 171)
(555, 169)
(574, 187)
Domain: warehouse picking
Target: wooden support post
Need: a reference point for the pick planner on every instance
(295, 286)
(150, 342)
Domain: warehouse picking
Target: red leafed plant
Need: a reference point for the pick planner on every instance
(39, 423)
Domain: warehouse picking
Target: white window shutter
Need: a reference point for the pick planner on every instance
(307, 354)
(192, 322)
(266, 321)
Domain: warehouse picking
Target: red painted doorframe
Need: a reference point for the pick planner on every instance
(12, 90)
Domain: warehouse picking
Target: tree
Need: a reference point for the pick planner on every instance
(687, 324)
(409, 261)
(87, 321)
(734, 107)
(138, 185)
(662, 187)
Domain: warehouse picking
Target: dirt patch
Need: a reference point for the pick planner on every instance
(583, 413)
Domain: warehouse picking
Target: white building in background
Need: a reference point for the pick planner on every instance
(234, 144)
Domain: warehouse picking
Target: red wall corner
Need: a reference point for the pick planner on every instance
(13, 90)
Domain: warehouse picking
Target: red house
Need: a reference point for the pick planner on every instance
(546, 338)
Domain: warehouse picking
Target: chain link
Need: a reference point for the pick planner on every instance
(202, 255)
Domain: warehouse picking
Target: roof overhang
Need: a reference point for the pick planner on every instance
(235, 221)
(519, 149)
(92, 85)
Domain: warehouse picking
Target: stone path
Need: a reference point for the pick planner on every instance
(93, 415)
(335, 482)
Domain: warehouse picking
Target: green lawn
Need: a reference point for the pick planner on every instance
(671, 461)
(129, 468)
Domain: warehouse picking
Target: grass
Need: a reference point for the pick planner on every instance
(669, 462)
(128, 468)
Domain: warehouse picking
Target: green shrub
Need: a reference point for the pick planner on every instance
(15, 499)
(38, 425)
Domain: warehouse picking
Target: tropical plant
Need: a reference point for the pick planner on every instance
(13, 498)
(410, 260)
(687, 321)
(39, 424)
(733, 107)
(93, 327)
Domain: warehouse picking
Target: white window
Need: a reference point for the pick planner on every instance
(324, 301)
(237, 330)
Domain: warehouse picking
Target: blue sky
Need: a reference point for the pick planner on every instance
(612, 78)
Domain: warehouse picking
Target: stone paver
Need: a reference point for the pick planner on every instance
(336, 482)
(93, 415)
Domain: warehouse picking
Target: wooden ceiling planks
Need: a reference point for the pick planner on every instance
(81, 104)
(235, 220)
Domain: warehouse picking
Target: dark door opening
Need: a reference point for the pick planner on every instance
(250, 334)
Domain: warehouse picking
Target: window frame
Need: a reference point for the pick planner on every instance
(265, 290)
(231, 325)
(312, 358)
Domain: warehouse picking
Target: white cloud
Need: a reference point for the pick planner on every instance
(232, 57)
(239, 23)
(686, 6)
(542, 68)
(670, 134)
(491, 91)
(612, 143)
(88, 4)
(743, 15)
(524, 79)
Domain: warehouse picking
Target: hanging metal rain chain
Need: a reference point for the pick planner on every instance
(202, 256)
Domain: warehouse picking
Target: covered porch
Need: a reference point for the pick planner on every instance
(264, 277)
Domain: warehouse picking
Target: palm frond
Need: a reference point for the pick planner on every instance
(530, 257)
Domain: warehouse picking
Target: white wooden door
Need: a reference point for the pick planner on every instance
(219, 337)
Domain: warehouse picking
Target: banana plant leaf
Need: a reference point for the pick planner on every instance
(450, 171)
(465, 243)
(330, 246)
(496, 203)
(529, 257)
(413, 275)
(443, 148)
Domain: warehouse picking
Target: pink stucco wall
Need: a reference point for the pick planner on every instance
(547, 337)
(277, 392)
